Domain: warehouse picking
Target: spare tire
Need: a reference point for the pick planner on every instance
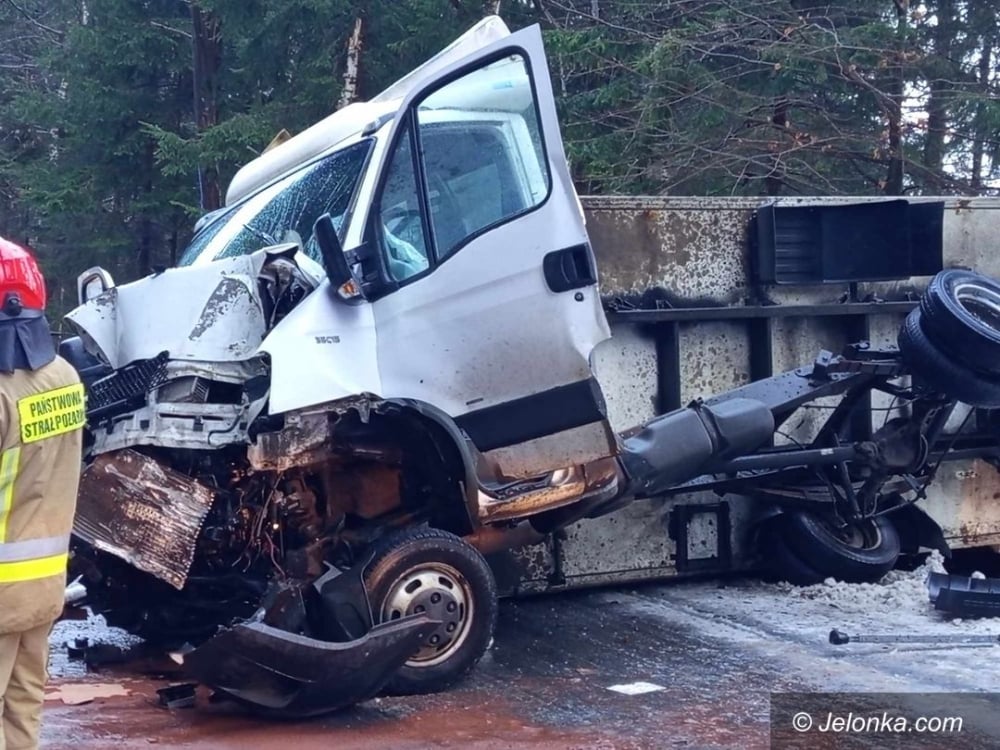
(961, 314)
(941, 371)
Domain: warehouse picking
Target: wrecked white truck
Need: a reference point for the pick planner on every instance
(373, 367)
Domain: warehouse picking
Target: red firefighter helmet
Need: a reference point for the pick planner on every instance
(22, 286)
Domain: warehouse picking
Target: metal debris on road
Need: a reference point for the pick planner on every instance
(965, 596)
(77, 649)
(177, 696)
(838, 638)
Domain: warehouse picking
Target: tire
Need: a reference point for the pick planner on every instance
(961, 314)
(781, 563)
(864, 552)
(940, 370)
(434, 571)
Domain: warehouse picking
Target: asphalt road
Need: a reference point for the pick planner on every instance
(717, 651)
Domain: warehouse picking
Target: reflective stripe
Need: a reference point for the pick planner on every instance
(8, 473)
(31, 549)
(31, 570)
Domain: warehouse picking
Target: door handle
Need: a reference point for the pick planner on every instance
(569, 268)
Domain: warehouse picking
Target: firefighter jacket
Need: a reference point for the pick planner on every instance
(41, 419)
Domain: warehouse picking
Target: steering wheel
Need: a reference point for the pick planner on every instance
(400, 222)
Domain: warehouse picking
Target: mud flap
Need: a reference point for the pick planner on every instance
(293, 675)
(917, 529)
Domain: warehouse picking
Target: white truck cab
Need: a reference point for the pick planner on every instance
(478, 292)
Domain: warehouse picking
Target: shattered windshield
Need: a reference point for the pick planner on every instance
(284, 211)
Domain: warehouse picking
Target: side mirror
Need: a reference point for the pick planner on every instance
(92, 283)
(342, 279)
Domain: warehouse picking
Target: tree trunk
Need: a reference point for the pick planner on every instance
(894, 175)
(774, 180)
(491, 7)
(941, 86)
(982, 129)
(174, 245)
(350, 90)
(986, 22)
(144, 257)
(206, 43)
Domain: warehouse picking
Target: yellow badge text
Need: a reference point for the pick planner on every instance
(52, 413)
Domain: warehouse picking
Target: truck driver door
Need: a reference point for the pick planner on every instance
(490, 309)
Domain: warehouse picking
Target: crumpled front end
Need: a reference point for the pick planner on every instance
(310, 648)
(144, 513)
(182, 347)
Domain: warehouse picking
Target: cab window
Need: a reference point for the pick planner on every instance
(401, 226)
(481, 163)
(285, 211)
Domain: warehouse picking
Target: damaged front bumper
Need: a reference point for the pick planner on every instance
(293, 675)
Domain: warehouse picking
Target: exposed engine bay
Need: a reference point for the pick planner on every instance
(196, 505)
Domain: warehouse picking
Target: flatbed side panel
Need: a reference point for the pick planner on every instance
(694, 252)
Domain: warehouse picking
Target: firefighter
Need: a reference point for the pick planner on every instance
(41, 416)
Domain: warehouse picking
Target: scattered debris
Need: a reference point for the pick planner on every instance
(77, 694)
(178, 654)
(78, 649)
(101, 654)
(970, 596)
(636, 688)
(76, 594)
(178, 696)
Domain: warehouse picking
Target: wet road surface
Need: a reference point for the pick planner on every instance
(717, 650)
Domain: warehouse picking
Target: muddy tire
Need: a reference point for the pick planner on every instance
(942, 371)
(960, 312)
(428, 570)
(862, 552)
(780, 563)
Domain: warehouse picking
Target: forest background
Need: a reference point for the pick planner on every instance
(121, 121)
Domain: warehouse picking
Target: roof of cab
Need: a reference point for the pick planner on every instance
(354, 118)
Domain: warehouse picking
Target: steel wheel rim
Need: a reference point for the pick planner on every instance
(442, 592)
(980, 302)
(864, 535)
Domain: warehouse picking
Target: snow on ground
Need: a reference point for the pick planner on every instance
(902, 595)
(790, 627)
(783, 627)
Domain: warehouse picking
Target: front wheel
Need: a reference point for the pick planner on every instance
(431, 571)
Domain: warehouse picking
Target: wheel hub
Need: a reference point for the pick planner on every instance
(441, 592)
(861, 535)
